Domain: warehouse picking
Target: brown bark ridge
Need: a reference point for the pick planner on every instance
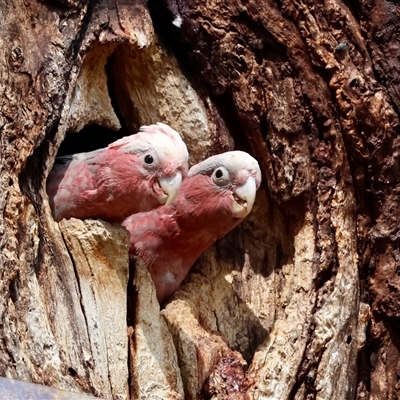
(69, 69)
(313, 87)
(301, 300)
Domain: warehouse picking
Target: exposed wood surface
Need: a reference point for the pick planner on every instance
(301, 301)
(152, 360)
(99, 254)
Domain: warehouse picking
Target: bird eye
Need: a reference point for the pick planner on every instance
(149, 159)
(220, 176)
(219, 173)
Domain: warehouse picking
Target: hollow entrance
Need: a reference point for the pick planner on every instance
(101, 109)
(91, 137)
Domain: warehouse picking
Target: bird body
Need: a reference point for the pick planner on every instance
(217, 195)
(133, 174)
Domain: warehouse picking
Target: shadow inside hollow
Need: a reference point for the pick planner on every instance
(91, 137)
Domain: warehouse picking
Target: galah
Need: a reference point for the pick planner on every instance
(217, 195)
(133, 174)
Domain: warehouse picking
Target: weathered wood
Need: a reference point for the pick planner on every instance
(98, 251)
(277, 309)
(58, 75)
(301, 81)
(153, 360)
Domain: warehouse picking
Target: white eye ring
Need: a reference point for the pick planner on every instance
(220, 176)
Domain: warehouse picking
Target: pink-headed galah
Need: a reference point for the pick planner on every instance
(136, 173)
(217, 195)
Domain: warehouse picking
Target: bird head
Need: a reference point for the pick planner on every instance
(162, 160)
(235, 173)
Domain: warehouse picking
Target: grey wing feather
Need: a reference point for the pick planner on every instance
(78, 156)
(64, 159)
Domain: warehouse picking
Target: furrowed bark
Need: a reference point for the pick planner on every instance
(318, 107)
(68, 67)
(301, 300)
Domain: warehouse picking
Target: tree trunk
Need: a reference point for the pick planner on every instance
(302, 300)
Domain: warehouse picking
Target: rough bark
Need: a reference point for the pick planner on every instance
(70, 69)
(153, 361)
(319, 108)
(301, 301)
